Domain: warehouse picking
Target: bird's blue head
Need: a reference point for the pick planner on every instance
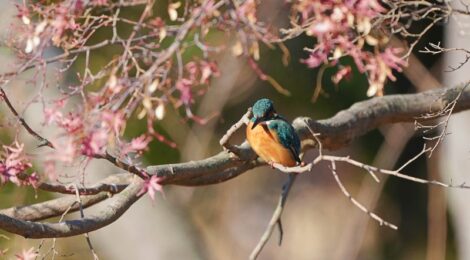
(263, 110)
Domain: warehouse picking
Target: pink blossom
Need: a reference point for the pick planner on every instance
(22, 10)
(192, 69)
(337, 26)
(184, 86)
(27, 254)
(367, 8)
(114, 120)
(322, 27)
(23, 13)
(152, 186)
(50, 170)
(66, 150)
(100, 2)
(140, 143)
(72, 123)
(208, 69)
(95, 143)
(203, 70)
(342, 73)
(53, 114)
(390, 58)
(13, 162)
(248, 10)
(158, 22)
(79, 6)
(315, 59)
(32, 179)
(137, 144)
(63, 21)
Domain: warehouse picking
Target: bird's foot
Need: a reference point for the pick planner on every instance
(271, 164)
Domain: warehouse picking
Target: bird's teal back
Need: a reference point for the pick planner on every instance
(287, 135)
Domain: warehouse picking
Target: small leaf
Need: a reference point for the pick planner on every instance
(160, 111)
(255, 51)
(162, 34)
(172, 12)
(237, 49)
(147, 103)
(142, 113)
(25, 20)
(371, 40)
(29, 46)
(152, 87)
(40, 28)
(372, 90)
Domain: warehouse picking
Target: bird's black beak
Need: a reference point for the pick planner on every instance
(257, 121)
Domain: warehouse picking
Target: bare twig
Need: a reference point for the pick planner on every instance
(446, 112)
(112, 184)
(125, 166)
(355, 202)
(275, 219)
(224, 141)
(388, 172)
(42, 141)
(295, 169)
(82, 215)
(438, 49)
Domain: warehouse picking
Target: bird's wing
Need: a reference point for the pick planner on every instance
(295, 146)
(289, 138)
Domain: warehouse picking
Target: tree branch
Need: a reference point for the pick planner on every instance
(112, 184)
(334, 133)
(52, 208)
(118, 205)
(362, 117)
(275, 219)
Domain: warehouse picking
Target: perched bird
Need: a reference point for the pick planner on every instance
(271, 136)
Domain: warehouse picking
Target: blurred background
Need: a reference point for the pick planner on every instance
(225, 221)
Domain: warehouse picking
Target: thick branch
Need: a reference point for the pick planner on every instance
(224, 162)
(118, 205)
(112, 184)
(52, 208)
(334, 133)
(367, 115)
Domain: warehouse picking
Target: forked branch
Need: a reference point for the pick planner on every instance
(333, 133)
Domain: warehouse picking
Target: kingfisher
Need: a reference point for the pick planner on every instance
(271, 136)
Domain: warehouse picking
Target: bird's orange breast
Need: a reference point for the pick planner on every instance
(266, 144)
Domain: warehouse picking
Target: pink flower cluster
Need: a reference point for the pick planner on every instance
(88, 133)
(197, 73)
(152, 186)
(30, 254)
(54, 22)
(14, 164)
(343, 28)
